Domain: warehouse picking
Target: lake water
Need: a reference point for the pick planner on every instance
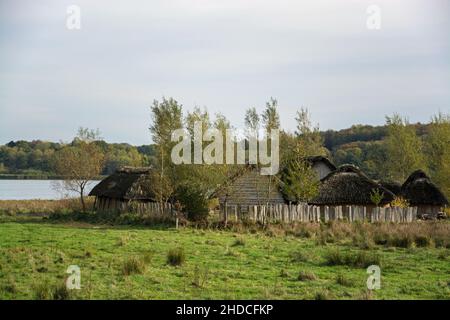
(35, 189)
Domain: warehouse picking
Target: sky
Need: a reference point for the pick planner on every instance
(225, 55)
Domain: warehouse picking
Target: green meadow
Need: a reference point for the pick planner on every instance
(127, 262)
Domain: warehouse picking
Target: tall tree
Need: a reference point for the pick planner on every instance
(270, 116)
(403, 148)
(437, 150)
(310, 136)
(300, 180)
(79, 163)
(166, 117)
(252, 121)
(198, 115)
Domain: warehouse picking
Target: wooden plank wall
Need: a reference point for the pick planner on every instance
(308, 213)
(142, 208)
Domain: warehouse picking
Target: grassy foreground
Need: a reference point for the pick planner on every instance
(135, 263)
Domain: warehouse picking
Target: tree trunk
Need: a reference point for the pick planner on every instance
(83, 205)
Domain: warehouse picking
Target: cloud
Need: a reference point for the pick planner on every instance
(226, 55)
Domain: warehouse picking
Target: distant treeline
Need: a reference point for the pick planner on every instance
(364, 146)
(35, 158)
(361, 145)
(362, 133)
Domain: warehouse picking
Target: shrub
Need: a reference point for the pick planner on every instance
(133, 265)
(376, 196)
(399, 202)
(176, 257)
(194, 201)
(306, 276)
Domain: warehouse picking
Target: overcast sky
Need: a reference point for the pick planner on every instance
(226, 55)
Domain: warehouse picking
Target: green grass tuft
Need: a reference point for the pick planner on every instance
(176, 257)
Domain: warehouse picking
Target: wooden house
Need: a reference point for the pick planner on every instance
(322, 166)
(392, 186)
(127, 185)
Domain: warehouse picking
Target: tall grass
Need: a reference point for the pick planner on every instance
(133, 265)
(43, 207)
(176, 257)
(361, 259)
(51, 291)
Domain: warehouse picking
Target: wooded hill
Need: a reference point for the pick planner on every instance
(361, 145)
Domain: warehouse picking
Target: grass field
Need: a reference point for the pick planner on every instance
(135, 263)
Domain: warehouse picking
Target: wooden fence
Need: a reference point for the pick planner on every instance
(308, 213)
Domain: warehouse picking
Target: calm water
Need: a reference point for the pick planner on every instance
(34, 189)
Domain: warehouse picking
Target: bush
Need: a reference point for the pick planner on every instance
(399, 202)
(176, 257)
(194, 202)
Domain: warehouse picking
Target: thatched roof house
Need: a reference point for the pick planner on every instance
(322, 165)
(125, 185)
(421, 192)
(349, 186)
(392, 186)
(248, 187)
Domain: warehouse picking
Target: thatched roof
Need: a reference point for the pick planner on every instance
(126, 183)
(419, 190)
(392, 186)
(315, 159)
(248, 187)
(349, 186)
